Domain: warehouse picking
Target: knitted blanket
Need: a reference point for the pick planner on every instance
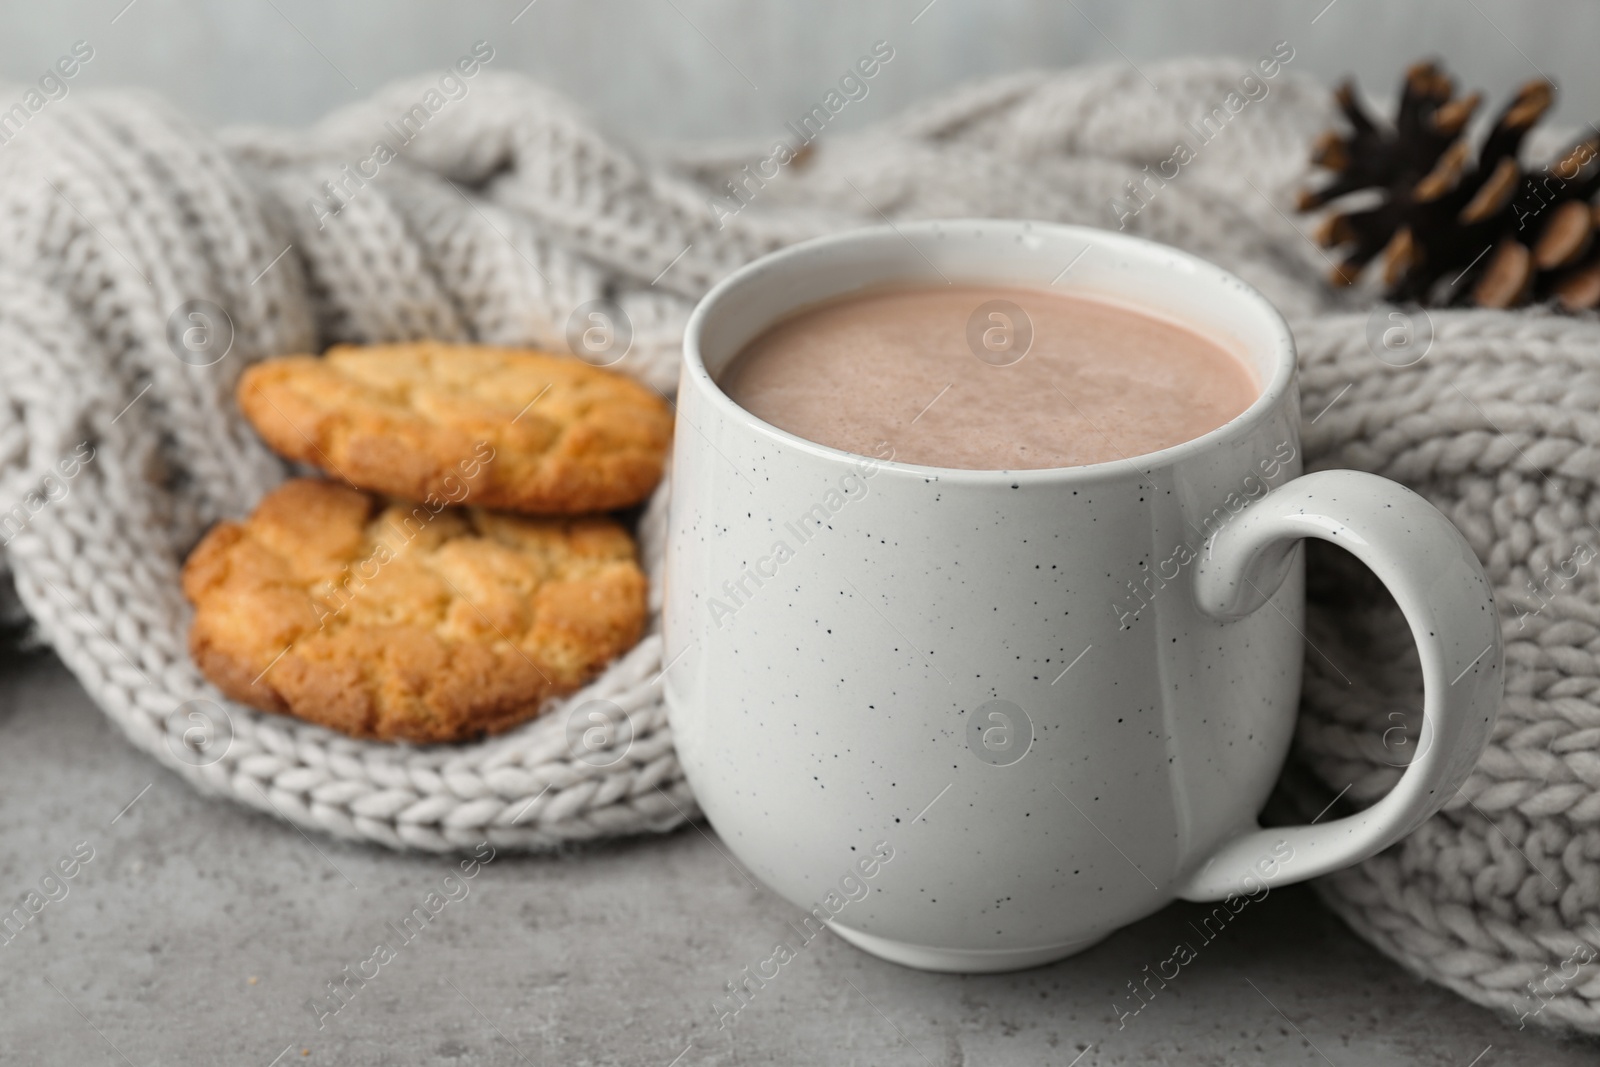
(144, 263)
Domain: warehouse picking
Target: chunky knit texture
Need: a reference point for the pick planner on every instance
(510, 210)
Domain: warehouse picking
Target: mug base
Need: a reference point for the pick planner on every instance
(962, 960)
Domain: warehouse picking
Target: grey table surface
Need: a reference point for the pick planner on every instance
(200, 932)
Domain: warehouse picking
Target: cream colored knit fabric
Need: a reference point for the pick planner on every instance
(510, 210)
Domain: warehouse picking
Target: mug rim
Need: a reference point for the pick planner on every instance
(1271, 395)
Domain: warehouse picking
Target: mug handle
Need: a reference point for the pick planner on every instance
(1433, 575)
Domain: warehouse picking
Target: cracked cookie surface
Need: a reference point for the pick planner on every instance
(561, 437)
(400, 621)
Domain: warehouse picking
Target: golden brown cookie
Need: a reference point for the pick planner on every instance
(403, 621)
(494, 427)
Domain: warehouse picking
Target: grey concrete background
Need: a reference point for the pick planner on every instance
(199, 931)
(713, 68)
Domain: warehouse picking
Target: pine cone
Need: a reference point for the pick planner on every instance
(1457, 226)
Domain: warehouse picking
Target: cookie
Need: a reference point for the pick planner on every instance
(411, 622)
(506, 427)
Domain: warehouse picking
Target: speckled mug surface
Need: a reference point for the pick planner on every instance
(977, 720)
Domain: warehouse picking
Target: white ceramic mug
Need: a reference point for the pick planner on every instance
(977, 720)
